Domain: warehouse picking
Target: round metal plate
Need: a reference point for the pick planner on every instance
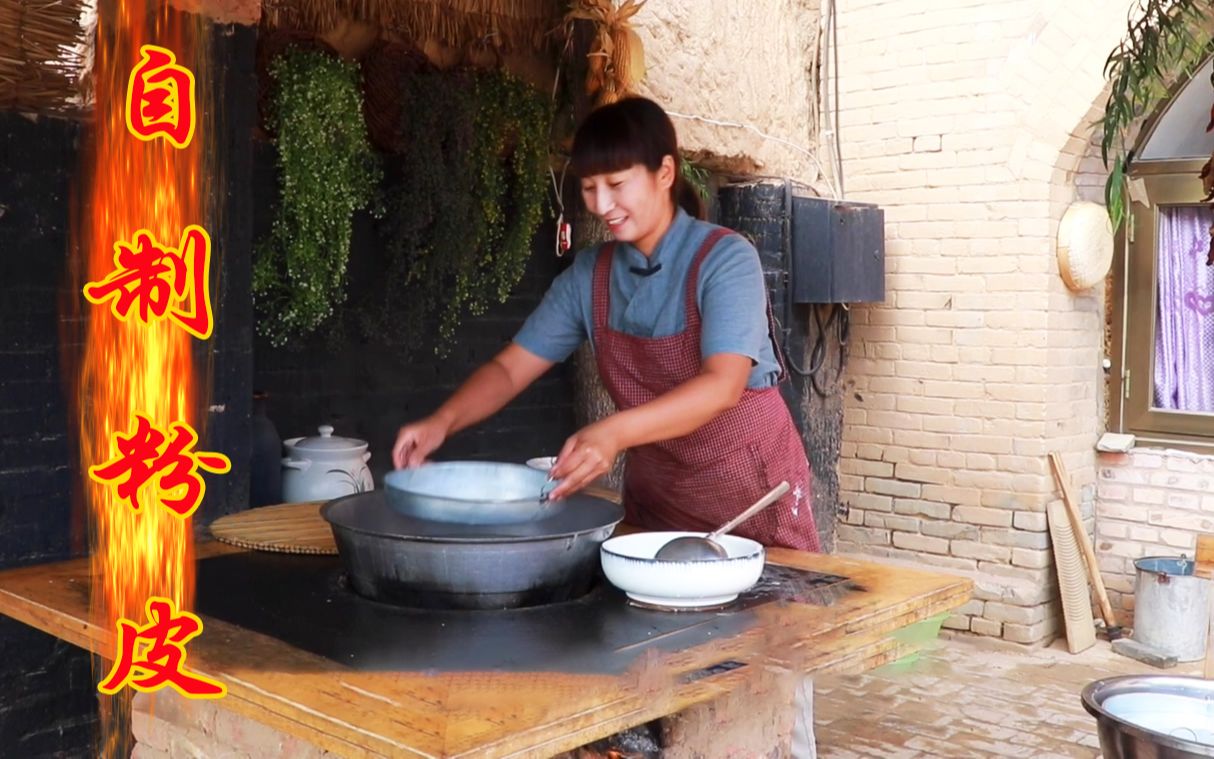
(471, 492)
(370, 513)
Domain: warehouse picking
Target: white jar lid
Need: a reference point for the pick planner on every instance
(328, 443)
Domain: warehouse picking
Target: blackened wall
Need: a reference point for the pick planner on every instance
(48, 699)
(367, 390)
(761, 211)
(36, 163)
(228, 355)
(47, 702)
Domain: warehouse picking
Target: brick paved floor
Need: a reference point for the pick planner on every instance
(970, 697)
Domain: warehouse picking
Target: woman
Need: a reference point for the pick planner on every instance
(676, 311)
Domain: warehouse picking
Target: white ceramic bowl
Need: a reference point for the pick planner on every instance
(629, 563)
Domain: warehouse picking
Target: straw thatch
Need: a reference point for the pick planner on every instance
(45, 52)
(508, 25)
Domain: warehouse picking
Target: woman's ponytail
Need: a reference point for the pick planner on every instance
(686, 196)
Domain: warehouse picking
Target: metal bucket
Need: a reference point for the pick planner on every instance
(1171, 607)
(1153, 716)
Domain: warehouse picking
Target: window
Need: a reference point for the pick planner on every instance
(1163, 319)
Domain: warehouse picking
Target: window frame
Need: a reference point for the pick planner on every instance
(1135, 272)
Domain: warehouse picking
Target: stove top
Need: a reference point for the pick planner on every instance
(304, 601)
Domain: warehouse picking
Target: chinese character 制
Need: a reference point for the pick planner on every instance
(155, 277)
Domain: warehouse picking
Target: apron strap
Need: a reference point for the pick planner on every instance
(601, 287)
(692, 309)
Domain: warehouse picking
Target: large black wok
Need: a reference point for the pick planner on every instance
(414, 562)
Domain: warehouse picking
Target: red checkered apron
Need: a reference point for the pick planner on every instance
(701, 480)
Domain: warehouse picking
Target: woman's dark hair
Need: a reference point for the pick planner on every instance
(627, 132)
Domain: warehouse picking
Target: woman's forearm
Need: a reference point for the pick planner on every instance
(592, 450)
(682, 410)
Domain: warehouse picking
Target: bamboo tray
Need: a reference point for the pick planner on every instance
(285, 528)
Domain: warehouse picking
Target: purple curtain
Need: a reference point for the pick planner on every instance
(1184, 337)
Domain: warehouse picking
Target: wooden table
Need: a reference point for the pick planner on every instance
(475, 714)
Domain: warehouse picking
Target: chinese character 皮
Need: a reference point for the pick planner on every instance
(150, 657)
(141, 458)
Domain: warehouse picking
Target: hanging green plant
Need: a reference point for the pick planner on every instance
(698, 177)
(463, 201)
(1166, 44)
(327, 171)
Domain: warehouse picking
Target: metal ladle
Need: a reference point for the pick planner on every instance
(692, 548)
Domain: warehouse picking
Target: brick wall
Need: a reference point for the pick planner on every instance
(1151, 503)
(47, 706)
(967, 123)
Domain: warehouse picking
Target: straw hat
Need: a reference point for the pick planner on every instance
(1085, 245)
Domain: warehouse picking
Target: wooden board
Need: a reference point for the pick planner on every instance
(285, 528)
(1205, 568)
(1072, 581)
(499, 714)
(1205, 557)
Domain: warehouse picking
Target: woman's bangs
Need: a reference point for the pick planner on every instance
(602, 154)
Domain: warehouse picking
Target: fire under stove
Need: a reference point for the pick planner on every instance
(305, 602)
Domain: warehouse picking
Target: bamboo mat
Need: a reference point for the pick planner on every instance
(285, 528)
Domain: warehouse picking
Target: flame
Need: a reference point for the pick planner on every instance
(127, 366)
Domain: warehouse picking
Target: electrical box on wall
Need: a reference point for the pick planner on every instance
(838, 251)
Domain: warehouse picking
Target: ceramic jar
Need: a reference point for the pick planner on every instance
(265, 461)
(325, 467)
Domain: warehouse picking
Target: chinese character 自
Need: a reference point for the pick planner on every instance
(160, 98)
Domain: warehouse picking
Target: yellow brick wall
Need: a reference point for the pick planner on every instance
(1151, 503)
(969, 124)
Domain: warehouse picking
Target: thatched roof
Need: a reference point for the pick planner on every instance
(46, 46)
(509, 25)
(44, 53)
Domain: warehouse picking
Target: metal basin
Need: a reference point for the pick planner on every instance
(425, 564)
(471, 492)
(1153, 716)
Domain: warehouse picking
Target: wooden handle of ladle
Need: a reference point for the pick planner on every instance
(759, 505)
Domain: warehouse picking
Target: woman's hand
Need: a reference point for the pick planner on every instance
(589, 454)
(416, 441)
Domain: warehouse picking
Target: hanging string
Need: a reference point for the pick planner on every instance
(564, 232)
(813, 158)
